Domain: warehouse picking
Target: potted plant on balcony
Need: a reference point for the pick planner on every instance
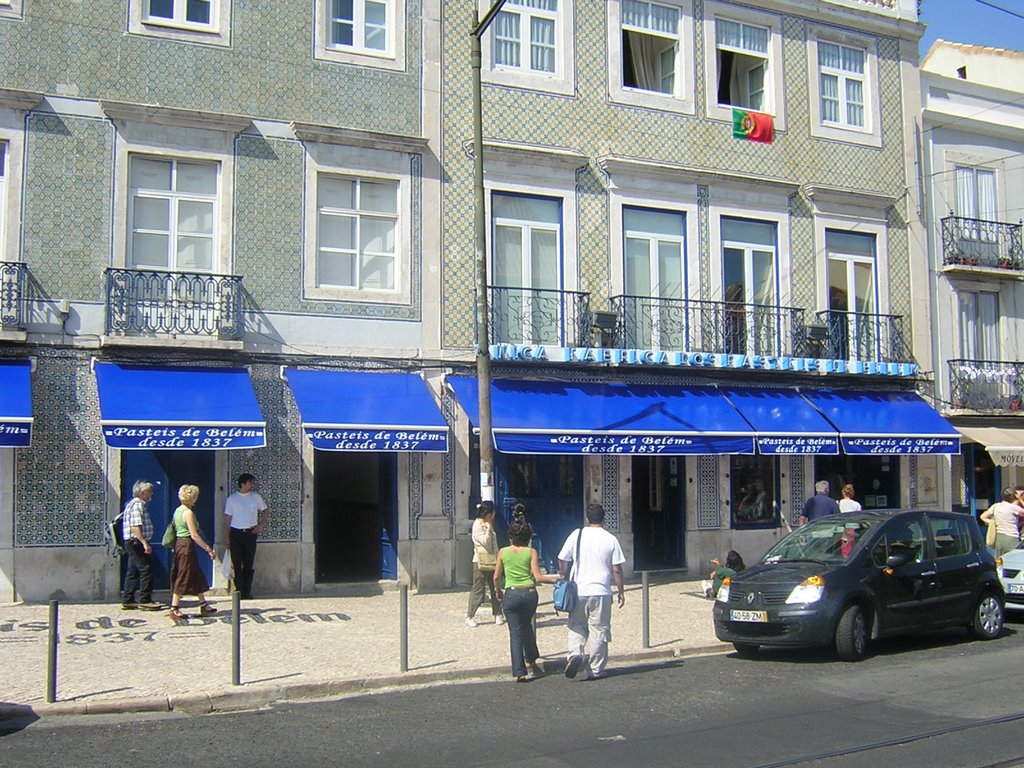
(1005, 262)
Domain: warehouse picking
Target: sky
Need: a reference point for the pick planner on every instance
(974, 21)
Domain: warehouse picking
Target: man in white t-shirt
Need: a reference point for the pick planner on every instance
(590, 623)
(245, 514)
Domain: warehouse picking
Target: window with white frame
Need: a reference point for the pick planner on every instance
(3, 194)
(361, 25)
(653, 250)
(853, 321)
(650, 46)
(528, 305)
(357, 232)
(11, 8)
(841, 73)
(751, 316)
(976, 201)
(525, 36)
(200, 21)
(172, 214)
(979, 325)
(742, 64)
(198, 14)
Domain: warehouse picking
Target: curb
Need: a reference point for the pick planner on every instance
(261, 696)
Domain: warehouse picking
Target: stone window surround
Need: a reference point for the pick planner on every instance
(683, 101)
(562, 81)
(217, 33)
(871, 133)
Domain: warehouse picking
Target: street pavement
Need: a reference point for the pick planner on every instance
(110, 660)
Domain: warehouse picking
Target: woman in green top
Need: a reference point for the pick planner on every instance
(518, 564)
(187, 578)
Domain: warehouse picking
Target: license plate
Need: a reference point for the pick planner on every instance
(750, 615)
(1016, 589)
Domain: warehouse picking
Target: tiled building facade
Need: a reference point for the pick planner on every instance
(318, 166)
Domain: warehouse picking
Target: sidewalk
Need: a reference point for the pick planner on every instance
(110, 660)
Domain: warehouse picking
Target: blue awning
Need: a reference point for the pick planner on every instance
(886, 422)
(570, 418)
(364, 411)
(15, 403)
(783, 422)
(181, 408)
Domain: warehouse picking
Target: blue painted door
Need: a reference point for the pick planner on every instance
(551, 487)
(168, 471)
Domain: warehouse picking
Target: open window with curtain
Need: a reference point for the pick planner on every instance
(650, 46)
(742, 64)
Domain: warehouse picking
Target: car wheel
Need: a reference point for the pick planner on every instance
(987, 620)
(852, 634)
(746, 650)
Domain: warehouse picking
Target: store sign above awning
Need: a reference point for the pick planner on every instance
(15, 403)
(178, 408)
(1004, 445)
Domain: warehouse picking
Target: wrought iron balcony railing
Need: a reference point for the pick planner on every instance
(986, 385)
(174, 303)
(709, 326)
(980, 243)
(864, 336)
(539, 316)
(13, 277)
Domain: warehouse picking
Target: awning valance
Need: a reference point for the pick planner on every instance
(784, 422)
(178, 407)
(365, 411)
(885, 422)
(1004, 444)
(561, 417)
(15, 403)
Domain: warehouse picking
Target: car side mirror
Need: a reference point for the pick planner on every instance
(898, 560)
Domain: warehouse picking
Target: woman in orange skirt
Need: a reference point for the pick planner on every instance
(187, 577)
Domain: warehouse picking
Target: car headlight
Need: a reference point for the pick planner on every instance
(723, 591)
(809, 590)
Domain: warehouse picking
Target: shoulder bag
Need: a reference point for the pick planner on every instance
(565, 596)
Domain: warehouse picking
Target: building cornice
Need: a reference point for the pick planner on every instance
(352, 137)
(13, 98)
(677, 172)
(184, 118)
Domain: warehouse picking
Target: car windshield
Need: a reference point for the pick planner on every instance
(827, 540)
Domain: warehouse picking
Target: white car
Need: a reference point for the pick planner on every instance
(1011, 573)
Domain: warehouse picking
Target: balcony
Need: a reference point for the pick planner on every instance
(863, 336)
(144, 303)
(13, 277)
(986, 385)
(970, 243)
(709, 326)
(538, 316)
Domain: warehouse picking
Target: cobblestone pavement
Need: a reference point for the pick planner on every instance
(301, 647)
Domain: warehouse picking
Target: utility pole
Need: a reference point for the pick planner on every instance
(483, 352)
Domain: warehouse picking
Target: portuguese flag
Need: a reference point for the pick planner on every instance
(752, 126)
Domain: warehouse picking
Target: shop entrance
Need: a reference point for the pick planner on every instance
(551, 487)
(982, 480)
(355, 516)
(658, 513)
(168, 471)
(875, 479)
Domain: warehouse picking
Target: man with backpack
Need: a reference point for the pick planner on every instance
(137, 529)
(590, 623)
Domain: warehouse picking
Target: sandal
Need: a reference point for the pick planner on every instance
(206, 609)
(176, 615)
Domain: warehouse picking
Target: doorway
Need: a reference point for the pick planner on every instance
(168, 471)
(551, 487)
(658, 513)
(875, 479)
(355, 516)
(982, 480)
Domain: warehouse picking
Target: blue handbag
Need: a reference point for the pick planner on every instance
(565, 596)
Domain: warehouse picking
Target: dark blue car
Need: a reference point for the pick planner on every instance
(850, 578)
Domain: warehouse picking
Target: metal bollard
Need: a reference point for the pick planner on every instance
(645, 616)
(236, 638)
(403, 625)
(51, 656)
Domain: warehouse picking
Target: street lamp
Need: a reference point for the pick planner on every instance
(483, 359)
